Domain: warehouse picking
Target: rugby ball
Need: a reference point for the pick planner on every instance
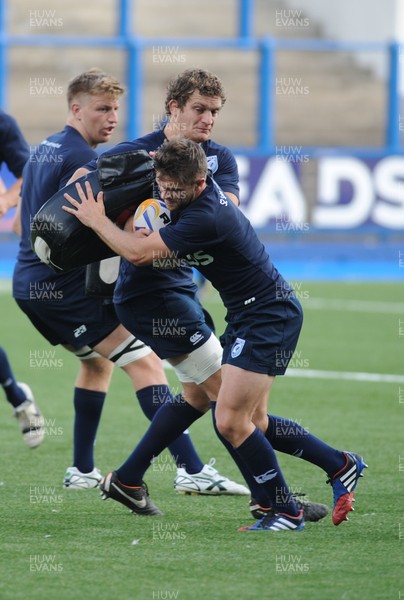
(151, 214)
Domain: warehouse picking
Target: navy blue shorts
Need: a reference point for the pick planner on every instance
(263, 338)
(71, 317)
(171, 322)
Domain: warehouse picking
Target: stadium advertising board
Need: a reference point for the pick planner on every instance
(330, 192)
(341, 192)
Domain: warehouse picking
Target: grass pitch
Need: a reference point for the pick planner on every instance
(70, 545)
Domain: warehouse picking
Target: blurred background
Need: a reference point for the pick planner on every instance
(314, 112)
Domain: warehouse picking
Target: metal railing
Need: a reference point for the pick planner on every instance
(134, 46)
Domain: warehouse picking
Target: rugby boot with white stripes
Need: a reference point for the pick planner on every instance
(277, 522)
(343, 484)
(312, 511)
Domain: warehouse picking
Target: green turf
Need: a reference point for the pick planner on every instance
(59, 544)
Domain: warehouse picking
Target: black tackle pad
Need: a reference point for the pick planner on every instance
(61, 241)
(101, 277)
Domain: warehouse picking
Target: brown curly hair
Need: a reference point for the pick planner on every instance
(186, 83)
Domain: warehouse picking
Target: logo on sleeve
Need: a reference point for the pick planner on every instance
(237, 348)
(213, 164)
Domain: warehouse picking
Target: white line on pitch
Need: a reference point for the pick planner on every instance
(364, 306)
(346, 375)
(354, 305)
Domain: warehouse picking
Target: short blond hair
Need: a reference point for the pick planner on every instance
(96, 83)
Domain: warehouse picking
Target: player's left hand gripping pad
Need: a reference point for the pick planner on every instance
(61, 241)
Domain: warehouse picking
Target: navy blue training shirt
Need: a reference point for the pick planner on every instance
(217, 239)
(135, 281)
(50, 166)
(14, 151)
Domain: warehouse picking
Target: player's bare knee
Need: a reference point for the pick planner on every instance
(226, 425)
(96, 366)
(150, 366)
(260, 420)
(233, 425)
(95, 373)
(196, 397)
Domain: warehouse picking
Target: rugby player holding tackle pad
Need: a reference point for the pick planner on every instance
(125, 179)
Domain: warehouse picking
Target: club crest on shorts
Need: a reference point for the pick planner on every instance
(237, 348)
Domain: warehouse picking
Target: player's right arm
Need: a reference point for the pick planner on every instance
(233, 198)
(78, 173)
(10, 197)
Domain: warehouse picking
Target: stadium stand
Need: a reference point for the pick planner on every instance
(334, 102)
(292, 91)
